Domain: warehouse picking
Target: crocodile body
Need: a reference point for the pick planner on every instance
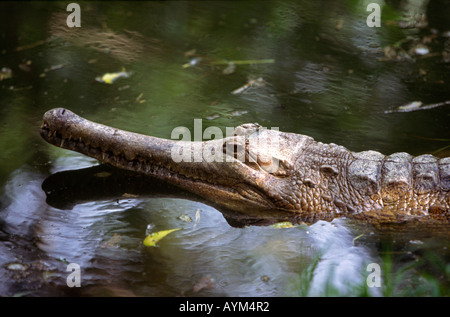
(283, 172)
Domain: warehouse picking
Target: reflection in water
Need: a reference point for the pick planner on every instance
(19, 232)
(249, 261)
(342, 265)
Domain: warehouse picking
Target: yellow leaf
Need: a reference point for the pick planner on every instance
(109, 78)
(152, 239)
(285, 224)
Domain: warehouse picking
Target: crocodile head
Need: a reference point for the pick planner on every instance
(253, 169)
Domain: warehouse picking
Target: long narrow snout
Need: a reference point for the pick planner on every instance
(219, 181)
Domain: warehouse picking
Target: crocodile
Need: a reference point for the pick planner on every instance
(257, 169)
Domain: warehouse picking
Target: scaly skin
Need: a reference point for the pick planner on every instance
(260, 169)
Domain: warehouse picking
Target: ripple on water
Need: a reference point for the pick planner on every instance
(250, 261)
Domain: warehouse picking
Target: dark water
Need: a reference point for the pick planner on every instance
(324, 72)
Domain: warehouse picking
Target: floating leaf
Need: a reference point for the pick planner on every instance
(411, 106)
(113, 241)
(285, 224)
(356, 238)
(185, 218)
(192, 62)
(238, 113)
(213, 116)
(251, 83)
(229, 69)
(139, 98)
(197, 218)
(5, 73)
(421, 51)
(152, 239)
(110, 78)
(418, 105)
(190, 53)
(16, 267)
(54, 67)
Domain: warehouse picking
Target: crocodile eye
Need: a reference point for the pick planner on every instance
(276, 167)
(269, 164)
